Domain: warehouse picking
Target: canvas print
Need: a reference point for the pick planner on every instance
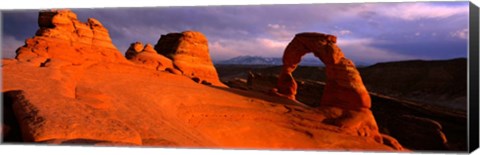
(322, 77)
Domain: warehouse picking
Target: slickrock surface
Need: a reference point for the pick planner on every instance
(111, 101)
(189, 53)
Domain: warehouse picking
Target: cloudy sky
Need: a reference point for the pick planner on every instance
(367, 32)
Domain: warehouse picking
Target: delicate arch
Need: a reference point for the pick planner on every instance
(344, 86)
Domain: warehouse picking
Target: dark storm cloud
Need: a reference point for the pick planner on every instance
(17, 26)
(430, 50)
(367, 32)
(20, 24)
(218, 21)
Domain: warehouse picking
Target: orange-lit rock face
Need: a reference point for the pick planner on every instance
(110, 102)
(189, 53)
(148, 57)
(344, 86)
(61, 36)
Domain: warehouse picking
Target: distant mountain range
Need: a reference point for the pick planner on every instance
(258, 60)
(252, 60)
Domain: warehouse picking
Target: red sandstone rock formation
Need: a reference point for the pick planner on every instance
(148, 57)
(344, 87)
(64, 99)
(189, 53)
(61, 36)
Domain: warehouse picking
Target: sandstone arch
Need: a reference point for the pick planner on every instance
(344, 87)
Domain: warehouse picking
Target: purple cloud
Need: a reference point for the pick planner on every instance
(368, 32)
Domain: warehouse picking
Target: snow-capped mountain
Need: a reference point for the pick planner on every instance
(258, 60)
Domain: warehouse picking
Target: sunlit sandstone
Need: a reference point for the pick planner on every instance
(344, 87)
(70, 85)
